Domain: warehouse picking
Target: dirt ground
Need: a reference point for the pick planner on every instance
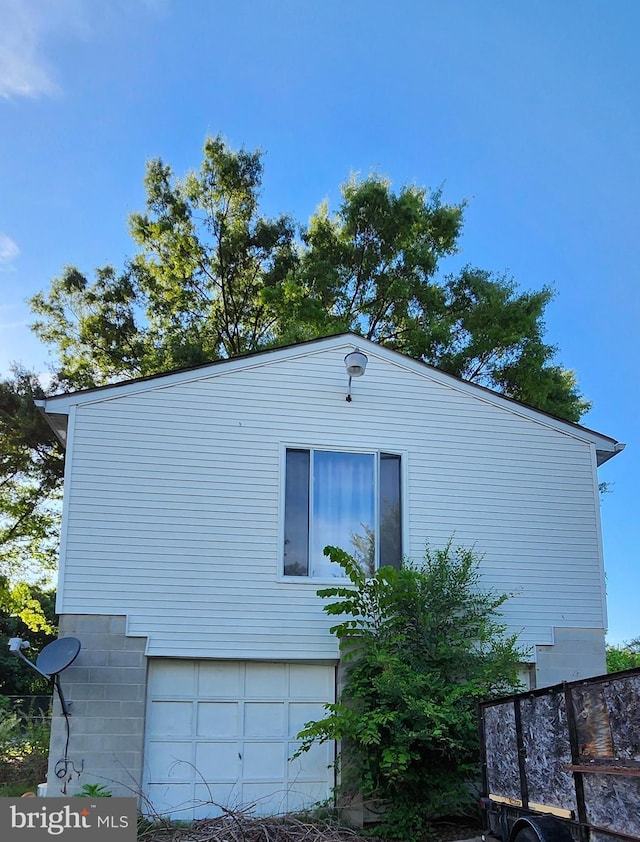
(456, 832)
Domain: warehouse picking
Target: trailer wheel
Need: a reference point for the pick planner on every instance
(539, 829)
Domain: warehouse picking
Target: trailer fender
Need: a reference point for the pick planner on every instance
(539, 829)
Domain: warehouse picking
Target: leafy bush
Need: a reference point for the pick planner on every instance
(421, 646)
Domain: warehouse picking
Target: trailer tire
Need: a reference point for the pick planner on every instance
(539, 829)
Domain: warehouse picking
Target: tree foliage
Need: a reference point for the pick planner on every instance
(372, 268)
(30, 614)
(31, 468)
(200, 287)
(623, 657)
(421, 647)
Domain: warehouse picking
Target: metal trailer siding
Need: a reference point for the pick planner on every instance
(570, 751)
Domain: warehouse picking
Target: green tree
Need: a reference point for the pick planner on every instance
(31, 469)
(421, 647)
(35, 621)
(623, 657)
(196, 291)
(372, 268)
(31, 466)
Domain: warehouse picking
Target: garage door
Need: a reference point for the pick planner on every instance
(220, 734)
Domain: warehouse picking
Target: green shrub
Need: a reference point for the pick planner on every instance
(421, 647)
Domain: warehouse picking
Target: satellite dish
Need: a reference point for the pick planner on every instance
(58, 655)
(53, 659)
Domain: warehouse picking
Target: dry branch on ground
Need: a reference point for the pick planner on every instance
(242, 827)
(237, 827)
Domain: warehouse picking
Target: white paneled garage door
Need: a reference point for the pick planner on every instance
(222, 733)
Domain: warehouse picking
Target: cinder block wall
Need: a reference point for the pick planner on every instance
(105, 689)
(576, 653)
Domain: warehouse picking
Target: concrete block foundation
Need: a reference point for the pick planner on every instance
(105, 689)
(575, 654)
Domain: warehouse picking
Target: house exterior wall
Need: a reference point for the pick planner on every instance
(173, 510)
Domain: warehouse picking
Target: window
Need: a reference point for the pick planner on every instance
(346, 500)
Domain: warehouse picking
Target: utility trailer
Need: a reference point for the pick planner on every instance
(562, 763)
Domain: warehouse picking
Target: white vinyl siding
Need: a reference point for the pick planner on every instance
(174, 501)
(220, 734)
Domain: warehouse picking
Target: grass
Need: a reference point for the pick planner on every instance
(17, 788)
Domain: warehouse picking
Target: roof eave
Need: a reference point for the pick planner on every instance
(60, 405)
(604, 455)
(56, 420)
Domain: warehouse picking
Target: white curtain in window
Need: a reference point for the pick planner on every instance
(343, 508)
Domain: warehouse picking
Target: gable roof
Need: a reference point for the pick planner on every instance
(57, 407)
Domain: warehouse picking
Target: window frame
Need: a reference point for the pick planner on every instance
(374, 451)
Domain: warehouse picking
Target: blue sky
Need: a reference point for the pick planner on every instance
(529, 111)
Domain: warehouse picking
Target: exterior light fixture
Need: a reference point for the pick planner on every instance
(355, 363)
